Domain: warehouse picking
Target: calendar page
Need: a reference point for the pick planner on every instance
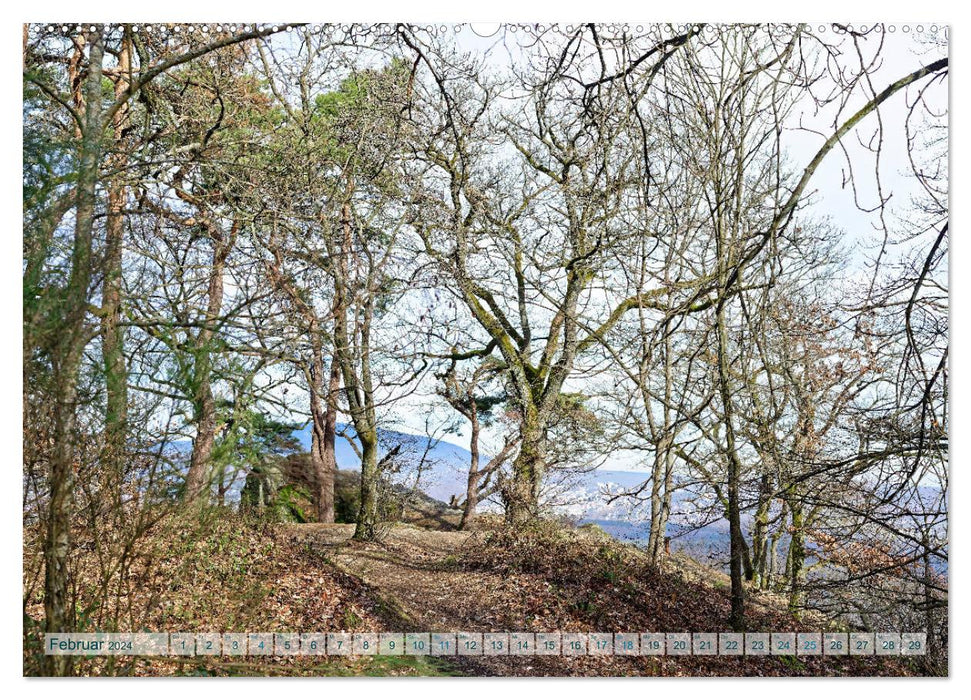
(485, 349)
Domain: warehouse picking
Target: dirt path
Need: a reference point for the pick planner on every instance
(417, 570)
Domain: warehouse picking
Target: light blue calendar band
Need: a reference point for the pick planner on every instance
(488, 644)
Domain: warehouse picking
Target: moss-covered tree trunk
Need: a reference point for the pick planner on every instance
(367, 518)
(797, 559)
(522, 493)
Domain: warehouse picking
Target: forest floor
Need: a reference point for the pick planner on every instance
(447, 581)
(234, 577)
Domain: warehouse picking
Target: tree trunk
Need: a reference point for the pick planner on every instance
(330, 441)
(760, 532)
(197, 480)
(112, 335)
(661, 477)
(324, 423)
(204, 403)
(522, 495)
(770, 563)
(662, 473)
(472, 487)
(736, 538)
(67, 356)
(655, 534)
(367, 518)
(797, 559)
(354, 362)
(930, 628)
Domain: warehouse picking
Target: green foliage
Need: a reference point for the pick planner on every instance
(351, 620)
(370, 666)
(347, 501)
(410, 666)
(486, 404)
(251, 437)
(292, 504)
(354, 125)
(268, 495)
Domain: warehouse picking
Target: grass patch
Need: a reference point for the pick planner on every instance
(356, 666)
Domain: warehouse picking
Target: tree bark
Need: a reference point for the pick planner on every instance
(324, 426)
(197, 480)
(367, 518)
(113, 338)
(760, 531)
(772, 565)
(661, 474)
(354, 362)
(204, 403)
(661, 477)
(736, 537)
(930, 604)
(330, 440)
(522, 494)
(797, 559)
(472, 486)
(67, 356)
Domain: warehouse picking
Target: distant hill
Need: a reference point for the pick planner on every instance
(444, 466)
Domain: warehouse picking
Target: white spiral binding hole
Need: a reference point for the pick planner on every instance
(489, 30)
